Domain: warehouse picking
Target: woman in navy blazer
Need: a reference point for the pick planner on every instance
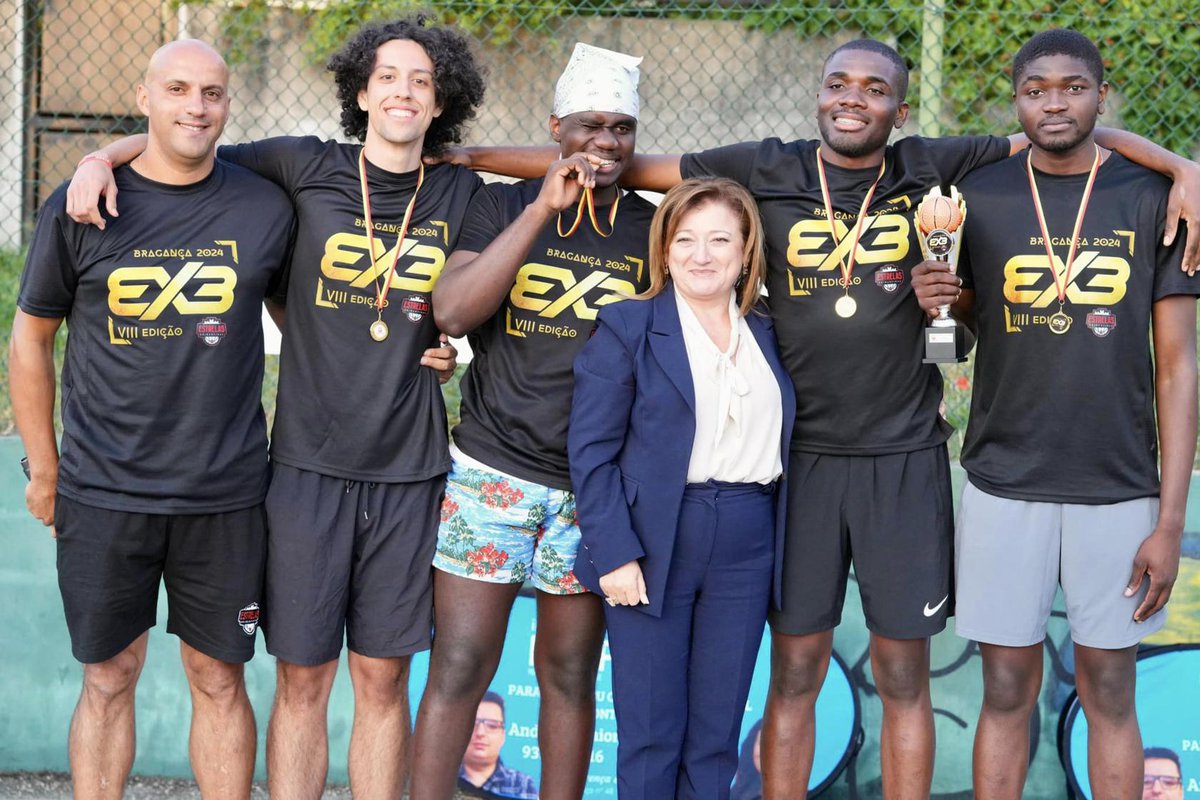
(681, 415)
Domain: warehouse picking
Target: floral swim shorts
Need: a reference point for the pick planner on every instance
(500, 529)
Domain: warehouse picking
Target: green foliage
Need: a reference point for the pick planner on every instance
(11, 262)
(453, 396)
(957, 379)
(10, 274)
(1149, 47)
(244, 34)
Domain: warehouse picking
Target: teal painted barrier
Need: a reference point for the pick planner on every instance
(39, 680)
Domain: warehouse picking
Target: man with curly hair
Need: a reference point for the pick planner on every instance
(359, 446)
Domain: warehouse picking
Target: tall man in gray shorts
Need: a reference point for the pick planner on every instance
(1060, 450)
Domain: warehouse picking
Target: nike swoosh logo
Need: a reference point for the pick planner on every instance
(929, 612)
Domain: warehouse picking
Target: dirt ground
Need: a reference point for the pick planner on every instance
(57, 786)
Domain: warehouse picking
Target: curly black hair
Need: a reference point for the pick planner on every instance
(457, 76)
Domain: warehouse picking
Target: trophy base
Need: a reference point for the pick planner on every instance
(945, 345)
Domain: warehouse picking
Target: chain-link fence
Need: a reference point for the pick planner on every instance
(714, 72)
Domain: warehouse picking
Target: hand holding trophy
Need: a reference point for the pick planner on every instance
(939, 228)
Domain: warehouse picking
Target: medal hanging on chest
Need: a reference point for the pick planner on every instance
(379, 328)
(846, 306)
(1060, 322)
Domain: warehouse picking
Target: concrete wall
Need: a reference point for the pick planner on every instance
(692, 94)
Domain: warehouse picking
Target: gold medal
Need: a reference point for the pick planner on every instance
(379, 328)
(1059, 323)
(846, 306)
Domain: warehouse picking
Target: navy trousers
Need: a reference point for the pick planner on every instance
(680, 681)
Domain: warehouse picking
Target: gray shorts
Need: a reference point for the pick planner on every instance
(348, 558)
(1011, 556)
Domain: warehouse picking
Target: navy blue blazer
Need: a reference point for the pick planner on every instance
(633, 422)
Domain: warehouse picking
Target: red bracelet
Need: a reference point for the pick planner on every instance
(95, 157)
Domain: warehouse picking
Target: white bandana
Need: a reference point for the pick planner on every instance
(598, 80)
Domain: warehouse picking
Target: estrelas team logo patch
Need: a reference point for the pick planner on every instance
(415, 307)
(211, 330)
(1101, 321)
(248, 619)
(889, 278)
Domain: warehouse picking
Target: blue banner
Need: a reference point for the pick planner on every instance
(1168, 709)
(838, 716)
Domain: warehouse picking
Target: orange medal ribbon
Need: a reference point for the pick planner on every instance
(1060, 322)
(587, 200)
(845, 305)
(379, 329)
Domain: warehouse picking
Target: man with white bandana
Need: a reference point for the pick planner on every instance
(536, 260)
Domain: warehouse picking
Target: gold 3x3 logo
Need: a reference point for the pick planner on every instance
(348, 262)
(144, 293)
(1096, 281)
(548, 291)
(884, 239)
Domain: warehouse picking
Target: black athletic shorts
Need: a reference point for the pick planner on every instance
(110, 564)
(892, 517)
(349, 558)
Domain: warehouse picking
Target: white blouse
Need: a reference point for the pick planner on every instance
(739, 411)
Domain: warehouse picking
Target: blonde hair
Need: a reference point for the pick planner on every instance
(690, 195)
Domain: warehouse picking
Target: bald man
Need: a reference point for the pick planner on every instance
(163, 466)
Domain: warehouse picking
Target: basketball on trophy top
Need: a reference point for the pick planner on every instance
(938, 212)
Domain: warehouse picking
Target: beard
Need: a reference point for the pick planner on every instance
(850, 145)
(1066, 141)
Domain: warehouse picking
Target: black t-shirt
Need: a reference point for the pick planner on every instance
(162, 382)
(861, 388)
(349, 406)
(516, 395)
(1066, 418)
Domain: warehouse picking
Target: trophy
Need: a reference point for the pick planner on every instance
(939, 229)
